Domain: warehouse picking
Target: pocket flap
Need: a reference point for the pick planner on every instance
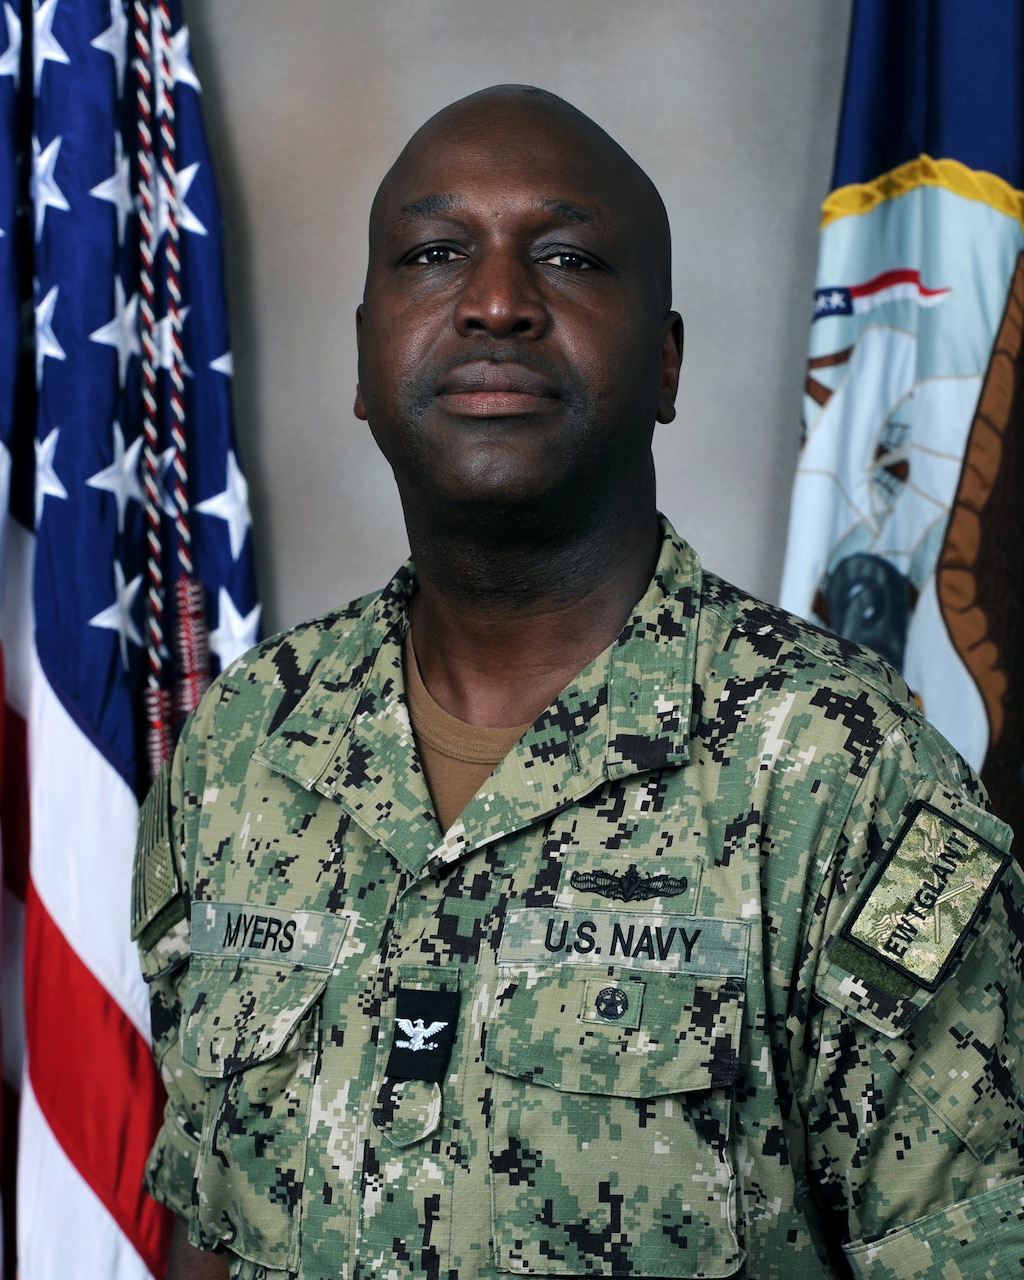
(255, 972)
(634, 1004)
(618, 1031)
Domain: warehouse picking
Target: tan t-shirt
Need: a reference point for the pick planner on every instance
(456, 757)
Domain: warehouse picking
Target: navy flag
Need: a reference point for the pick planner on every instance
(907, 526)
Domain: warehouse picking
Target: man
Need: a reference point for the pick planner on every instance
(561, 911)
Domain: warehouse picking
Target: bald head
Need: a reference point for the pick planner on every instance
(492, 121)
(516, 345)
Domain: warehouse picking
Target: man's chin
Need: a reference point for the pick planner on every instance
(504, 516)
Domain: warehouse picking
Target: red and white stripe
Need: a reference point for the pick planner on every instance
(90, 1094)
(900, 284)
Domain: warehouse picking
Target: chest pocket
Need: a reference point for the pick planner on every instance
(610, 1152)
(250, 1027)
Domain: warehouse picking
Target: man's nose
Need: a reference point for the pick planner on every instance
(501, 297)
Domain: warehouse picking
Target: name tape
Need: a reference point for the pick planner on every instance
(310, 938)
(640, 940)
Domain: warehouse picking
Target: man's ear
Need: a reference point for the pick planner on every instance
(671, 361)
(359, 409)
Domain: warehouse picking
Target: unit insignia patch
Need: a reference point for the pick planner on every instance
(926, 896)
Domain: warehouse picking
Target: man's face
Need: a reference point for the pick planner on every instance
(513, 347)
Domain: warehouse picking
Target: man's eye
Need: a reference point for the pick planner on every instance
(435, 255)
(568, 261)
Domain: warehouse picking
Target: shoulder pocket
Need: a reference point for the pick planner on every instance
(921, 959)
(917, 914)
(158, 908)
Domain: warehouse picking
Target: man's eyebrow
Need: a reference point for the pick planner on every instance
(569, 211)
(430, 206)
(443, 202)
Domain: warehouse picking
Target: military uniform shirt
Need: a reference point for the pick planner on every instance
(718, 974)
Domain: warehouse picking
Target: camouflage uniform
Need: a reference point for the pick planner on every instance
(718, 974)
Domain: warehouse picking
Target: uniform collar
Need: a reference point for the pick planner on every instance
(628, 711)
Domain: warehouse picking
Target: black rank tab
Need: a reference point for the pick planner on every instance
(425, 1024)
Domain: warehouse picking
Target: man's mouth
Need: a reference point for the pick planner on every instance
(486, 389)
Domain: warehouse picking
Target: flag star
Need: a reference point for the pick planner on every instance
(122, 331)
(114, 40)
(48, 483)
(182, 70)
(121, 478)
(118, 616)
(10, 59)
(45, 47)
(836, 300)
(164, 463)
(224, 364)
(164, 341)
(234, 633)
(45, 192)
(117, 188)
(187, 220)
(232, 505)
(46, 339)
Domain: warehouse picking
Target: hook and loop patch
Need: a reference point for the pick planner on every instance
(926, 896)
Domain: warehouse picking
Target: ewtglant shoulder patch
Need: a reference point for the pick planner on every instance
(926, 896)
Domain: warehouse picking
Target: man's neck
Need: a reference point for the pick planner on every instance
(500, 628)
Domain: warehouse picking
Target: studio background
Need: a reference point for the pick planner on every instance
(730, 106)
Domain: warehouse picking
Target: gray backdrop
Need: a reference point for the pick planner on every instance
(730, 105)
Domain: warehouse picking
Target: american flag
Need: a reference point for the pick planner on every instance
(124, 480)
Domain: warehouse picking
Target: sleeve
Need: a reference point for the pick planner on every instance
(913, 1101)
(160, 927)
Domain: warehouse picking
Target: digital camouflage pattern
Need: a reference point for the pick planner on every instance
(926, 896)
(667, 930)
